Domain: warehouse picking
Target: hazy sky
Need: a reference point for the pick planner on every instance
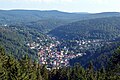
(92, 6)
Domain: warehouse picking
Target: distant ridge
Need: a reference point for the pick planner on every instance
(51, 18)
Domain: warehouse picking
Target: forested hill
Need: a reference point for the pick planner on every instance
(46, 20)
(35, 15)
(100, 28)
(42, 14)
(100, 57)
(15, 38)
(47, 24)
(42, 20)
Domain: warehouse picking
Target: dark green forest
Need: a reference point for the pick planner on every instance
(99, 57)
(102, 28)
(26, 69)
(14, 38)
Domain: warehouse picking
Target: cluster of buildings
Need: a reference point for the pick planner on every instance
(54, 58)
(55, 54)
(51, 54)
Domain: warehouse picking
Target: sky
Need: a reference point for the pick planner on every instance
(91, 6)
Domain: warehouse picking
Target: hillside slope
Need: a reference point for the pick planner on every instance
(100, 28)
(15, 39)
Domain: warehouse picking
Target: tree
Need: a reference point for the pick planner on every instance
(90, 71)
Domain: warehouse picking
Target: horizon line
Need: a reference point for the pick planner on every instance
(58, 11)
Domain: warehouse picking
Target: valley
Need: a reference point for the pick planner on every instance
(55, 45)
(57, 39)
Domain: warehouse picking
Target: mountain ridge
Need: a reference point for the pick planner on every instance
(89, 28)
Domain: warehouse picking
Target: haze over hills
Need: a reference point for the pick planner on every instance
(52, 18)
